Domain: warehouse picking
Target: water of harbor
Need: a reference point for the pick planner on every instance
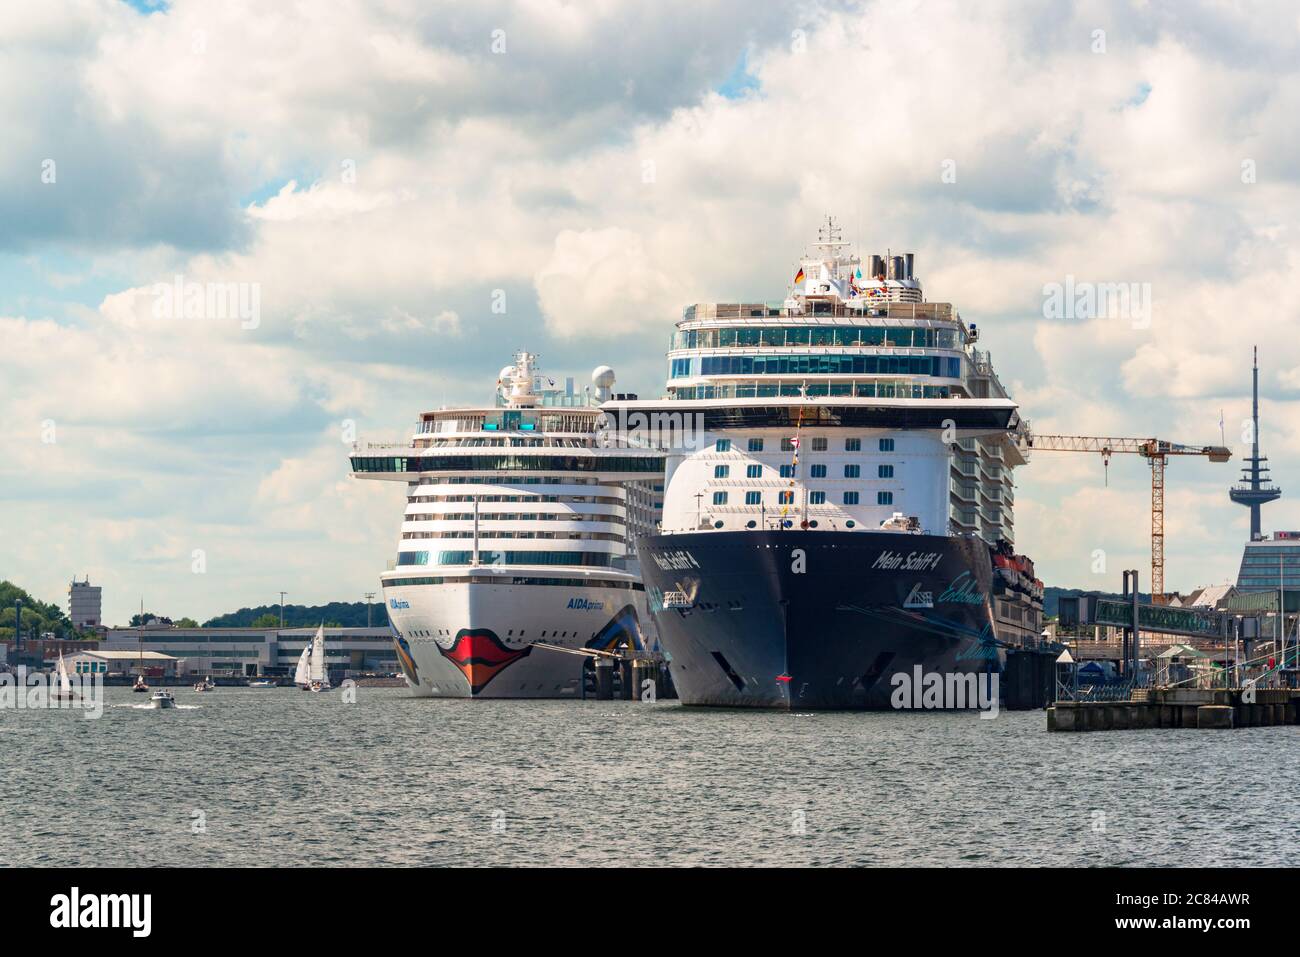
(281, 777)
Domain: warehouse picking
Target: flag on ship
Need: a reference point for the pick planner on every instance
(799, 276)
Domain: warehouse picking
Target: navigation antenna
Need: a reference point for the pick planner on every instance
(830, 240)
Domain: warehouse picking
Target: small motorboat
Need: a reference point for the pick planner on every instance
(162, 699)
(139, 685)
(204, 684)
(261, 683)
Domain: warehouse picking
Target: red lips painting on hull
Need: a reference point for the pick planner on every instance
(481, 656)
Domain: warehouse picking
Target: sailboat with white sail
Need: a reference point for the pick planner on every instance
(317, 677)
(302, 674)
(65, 692)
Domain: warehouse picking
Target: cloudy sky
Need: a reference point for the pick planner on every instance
(382, 172)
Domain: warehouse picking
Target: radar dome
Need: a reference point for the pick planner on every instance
(602, 377)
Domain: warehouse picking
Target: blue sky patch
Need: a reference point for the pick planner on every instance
(147, 6)
(740, 81)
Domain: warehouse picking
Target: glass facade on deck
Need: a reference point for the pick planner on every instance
(490, 557)
(945, 366)
(900, 337)
(506, 463)
(867, 390)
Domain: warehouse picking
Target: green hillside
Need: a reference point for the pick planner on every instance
(336, 613)
(38, 616)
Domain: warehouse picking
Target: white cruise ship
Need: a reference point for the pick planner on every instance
(517, 546)
(843, 511)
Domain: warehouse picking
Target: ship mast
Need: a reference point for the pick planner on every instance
(833, 247)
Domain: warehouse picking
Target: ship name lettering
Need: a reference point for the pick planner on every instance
(678, 561)
(911, 562)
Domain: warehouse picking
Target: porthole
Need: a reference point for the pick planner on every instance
(850, 524)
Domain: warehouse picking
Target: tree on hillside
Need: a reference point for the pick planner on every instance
(340, 614)
(266, 621)
(38, 617)
(148, 616)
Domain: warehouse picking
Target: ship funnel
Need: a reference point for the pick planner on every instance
(908, 261)
(896, 267)
(877, 266)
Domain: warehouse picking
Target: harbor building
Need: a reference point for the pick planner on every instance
(44, 652)
(121, 662)
(250, 652)
(85, 604)
(1271, 563)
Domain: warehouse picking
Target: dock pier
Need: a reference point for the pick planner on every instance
(619, 678)
(1180, 708)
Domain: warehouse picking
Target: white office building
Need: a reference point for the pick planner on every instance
(85, 604)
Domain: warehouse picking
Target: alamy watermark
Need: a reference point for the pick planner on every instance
(76, 909)
(954, 690)
(1098, 300)
(666, 431)
(22, 690)
(209, 300)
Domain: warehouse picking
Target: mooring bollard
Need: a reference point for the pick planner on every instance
(641, 670)
(604, 679)
(625, 679)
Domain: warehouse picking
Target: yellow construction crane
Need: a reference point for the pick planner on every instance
(1156, 452)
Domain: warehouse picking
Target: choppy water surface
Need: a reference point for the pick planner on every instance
(279, 777)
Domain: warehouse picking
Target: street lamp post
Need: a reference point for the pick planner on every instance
(282, 594)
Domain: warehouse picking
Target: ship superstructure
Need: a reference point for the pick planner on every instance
(517, 545)
(835, 514)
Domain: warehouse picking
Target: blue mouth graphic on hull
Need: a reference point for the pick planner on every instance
(623, 627)
(405, 658)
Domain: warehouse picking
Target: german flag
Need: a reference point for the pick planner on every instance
(799, 276)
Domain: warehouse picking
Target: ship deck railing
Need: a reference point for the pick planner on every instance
(942, 311)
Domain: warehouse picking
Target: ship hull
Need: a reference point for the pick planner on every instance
(479, 640)
(807, 620)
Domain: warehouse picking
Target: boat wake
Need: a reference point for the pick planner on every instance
(149, 707)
